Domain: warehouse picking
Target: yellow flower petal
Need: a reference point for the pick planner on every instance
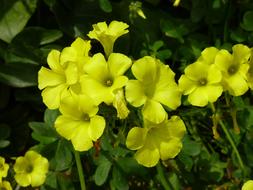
(241, 53)
(223, 60)
(153, 111)
(5, 185)
(82, 140)
(66, 126)
(118, 64)
(97, 68)
(87, 105)
(236, 85)
(196, 71)
(23, 180)
(96, 90)
(47, 78)
(53, 60)
(214, 75)
(198, 97)
(96, 128)
(71, 73)
(176, 127)
(208, 55)
(136, 138)
(52, 96)
(148, 155)
(170, 97)
(171, 148)
(135, 93)
(81, 46)
(186, 85)
(248, 185)
(145, 69)
(37, 179)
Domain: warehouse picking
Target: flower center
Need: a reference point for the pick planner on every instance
(29, 168)
(86, 117)
(232, 69)
(202, 82)
(108, 82)
(3, 188)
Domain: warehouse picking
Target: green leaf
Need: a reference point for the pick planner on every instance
(190, 147)
(43, 133)
(50, 116)
(19, 74)
(174, 29)
(247, 23)
(14, 15)
(4, 143)
(27, 44)
(118, 179)
(4, 131)
(105, 5)
(63, 155)
(102, 171)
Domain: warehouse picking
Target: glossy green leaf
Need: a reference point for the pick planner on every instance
(247, 23)
(105, 5)
(102, 171)
(14, 15)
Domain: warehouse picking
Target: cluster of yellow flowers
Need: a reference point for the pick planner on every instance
(76, 83)
(216, 71)
(30, 169)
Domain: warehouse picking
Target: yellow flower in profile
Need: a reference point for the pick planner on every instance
(31, 169)
(248, 185)
(5, 185)
(79, 122)
(234, 69)
(155, 86)
(250, 71)
(120, 104)
(156, 141)
(107, 35)
(208, 55)
(3, 168)
(202, 82)
(64, 73)
(105, 77)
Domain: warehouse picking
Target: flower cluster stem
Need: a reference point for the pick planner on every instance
(162, 177)
(224, 128)
(80, 170)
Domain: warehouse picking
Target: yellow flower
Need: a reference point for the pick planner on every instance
(208, 55)
(31, 169)
(250, 71)
(64, 73)
(119, 103)
(107, 35)
(176, 3)
(202, 83)
(234, 69)
(156, 141)
(155, 85)
(79, 122)
(105, 77)
(3, 168)
(77, 52)
(5, 185)
(248, 185)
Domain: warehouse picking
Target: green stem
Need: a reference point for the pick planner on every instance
(232, 144)
(162, 178)
(80, 170)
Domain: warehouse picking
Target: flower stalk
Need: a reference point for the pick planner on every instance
(80, 170)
